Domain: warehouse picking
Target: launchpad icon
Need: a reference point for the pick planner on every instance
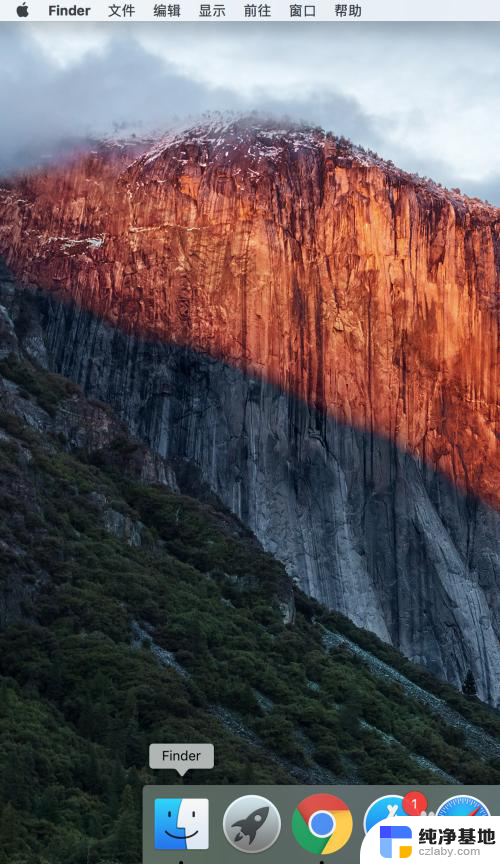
(252, 824)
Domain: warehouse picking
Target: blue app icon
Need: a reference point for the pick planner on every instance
(181, 823)
(383, 808)
(463, 805)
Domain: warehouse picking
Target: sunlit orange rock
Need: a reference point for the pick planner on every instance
(286, 252)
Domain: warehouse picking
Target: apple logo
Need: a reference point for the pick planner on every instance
(22, 11)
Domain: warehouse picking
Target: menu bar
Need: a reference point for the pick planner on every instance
(25, 11)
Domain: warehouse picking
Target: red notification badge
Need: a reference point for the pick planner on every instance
(414, 803)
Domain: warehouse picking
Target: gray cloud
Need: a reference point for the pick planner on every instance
(128, 88)
(43, 105)
(136, 80)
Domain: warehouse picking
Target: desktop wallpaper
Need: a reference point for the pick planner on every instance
(249, 471)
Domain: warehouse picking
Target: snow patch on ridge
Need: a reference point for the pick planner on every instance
(72, 242)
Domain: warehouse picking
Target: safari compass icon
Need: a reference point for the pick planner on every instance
(252, 824)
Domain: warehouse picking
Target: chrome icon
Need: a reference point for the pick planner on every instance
(322, 824)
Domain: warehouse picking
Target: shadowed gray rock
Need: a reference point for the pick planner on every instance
(360, 525)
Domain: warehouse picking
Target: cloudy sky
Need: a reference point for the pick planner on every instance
(425, 96)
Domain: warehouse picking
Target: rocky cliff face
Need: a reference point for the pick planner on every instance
(318, 333)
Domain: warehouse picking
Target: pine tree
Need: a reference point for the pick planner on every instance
(248, 778)
(469, 686)
(127, 835)
(116, 785)
(10, 831)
